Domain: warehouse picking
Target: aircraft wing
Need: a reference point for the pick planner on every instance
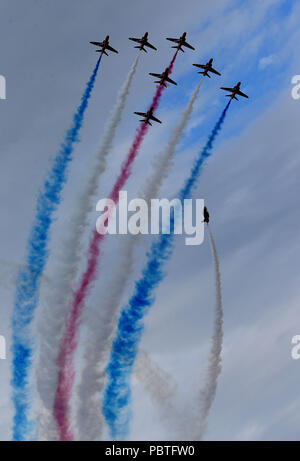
(240, 93)
(150, 46)
(176, 40)
(227, 89)
(170, 81)
(110, 48)
(142, 114)
(155, 75)
(155, 119)
(214, 71)
(97, 43)
(202, 66)
(137, 40)
(188, 46)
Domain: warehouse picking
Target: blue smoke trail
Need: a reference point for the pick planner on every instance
(117, 394)
(28, 281)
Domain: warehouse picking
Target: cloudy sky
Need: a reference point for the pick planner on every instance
(250, 185)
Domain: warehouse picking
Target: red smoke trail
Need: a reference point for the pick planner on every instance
(66, 373)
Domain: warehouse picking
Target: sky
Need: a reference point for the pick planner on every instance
(250, 186)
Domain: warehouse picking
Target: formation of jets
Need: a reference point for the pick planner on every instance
(164, 78)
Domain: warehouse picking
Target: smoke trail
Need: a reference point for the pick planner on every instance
(92, 381)
(208, 393)
(28, 282)
(101, 321)
(130, 325)
(68, 345)
(159, 384)
(53, 317)
(9, 271)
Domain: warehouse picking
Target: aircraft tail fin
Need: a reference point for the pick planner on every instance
(178, 48)
(230, 96)
(204, 73)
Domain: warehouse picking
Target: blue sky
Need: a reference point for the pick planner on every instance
(261, 70)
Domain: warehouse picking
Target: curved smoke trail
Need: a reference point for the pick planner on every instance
(101, 321)
(28, 282)
(130, 325)
(61, 408)
(160, 386)
(53, 317)
(214, 368)
(158, 383)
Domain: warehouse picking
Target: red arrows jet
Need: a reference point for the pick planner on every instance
(163, 78)
(205, 215)
(104, 46)
(142, 43)
(207, 68)
(181, 42)
(147, 117)
(234, 91)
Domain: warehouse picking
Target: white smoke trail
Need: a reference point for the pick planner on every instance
(102, 320)
(9, 271)
(8, 274)
(52, 318)
(157, 382)
(214, 367)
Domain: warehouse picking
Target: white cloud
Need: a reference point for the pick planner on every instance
(267, 61)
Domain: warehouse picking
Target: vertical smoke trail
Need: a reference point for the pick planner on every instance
(53, 317)
(101, 324)
(159, 384)
(130, 325)
(208, 393)
(28, 282)
(61, 408)
(101, 321)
